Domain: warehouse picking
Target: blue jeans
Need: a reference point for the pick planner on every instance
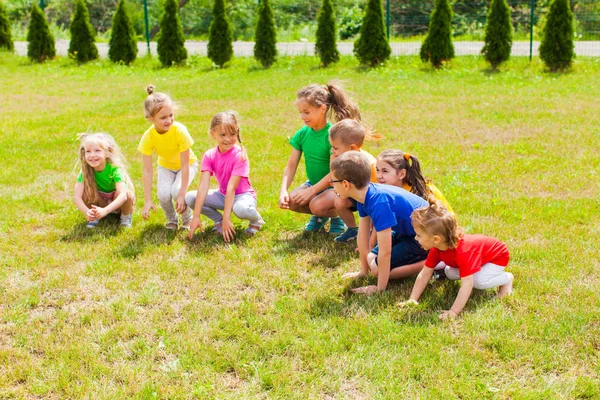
(405, 250)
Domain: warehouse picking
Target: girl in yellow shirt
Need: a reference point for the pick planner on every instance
(177, 163)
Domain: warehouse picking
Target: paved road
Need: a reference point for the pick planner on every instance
(245, 49)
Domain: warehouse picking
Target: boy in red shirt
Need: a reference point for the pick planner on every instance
(477, 260)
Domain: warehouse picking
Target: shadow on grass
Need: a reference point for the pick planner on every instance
(438, 296)
(208, 241)
(108, 226)
(490, 71)
(152, 235)
(320, 247)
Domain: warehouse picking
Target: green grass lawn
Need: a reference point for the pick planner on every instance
(145, 313)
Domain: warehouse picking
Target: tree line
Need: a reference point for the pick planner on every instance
(371, 48)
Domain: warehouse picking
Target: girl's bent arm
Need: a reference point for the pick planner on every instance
(185, 177)
(466, 287)
(288, 177)
(200, 199)
(228, 230)
(120, 199)
(78, 199)
(421, 283)
(147, 178)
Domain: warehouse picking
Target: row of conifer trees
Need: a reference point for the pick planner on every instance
(371, 48)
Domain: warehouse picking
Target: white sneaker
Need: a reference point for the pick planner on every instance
(126, 220)
(92, 224)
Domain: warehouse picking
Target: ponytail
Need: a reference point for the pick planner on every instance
(435, 219)
(340, 105)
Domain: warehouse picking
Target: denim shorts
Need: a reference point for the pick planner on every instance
(405, 250)
(307, 184)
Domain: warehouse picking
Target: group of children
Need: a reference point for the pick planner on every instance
(406, 226)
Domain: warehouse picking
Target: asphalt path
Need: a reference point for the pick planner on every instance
(245, 49)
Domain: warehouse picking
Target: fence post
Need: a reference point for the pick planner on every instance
(146, 23)
(531, 31)
(387, 19)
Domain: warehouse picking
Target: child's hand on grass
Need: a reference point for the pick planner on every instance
(195, 224)
(228, 230)
(408, 303)
(147, 207)
(447, 314)
(367, 290)
(354, 275)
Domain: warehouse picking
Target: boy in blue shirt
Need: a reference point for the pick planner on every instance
(397, 254)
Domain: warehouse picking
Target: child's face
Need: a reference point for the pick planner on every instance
(426, 240)
(386, 174)
(95, 156)
(338, 148)
(338, 186)
(226, 139)
(313, 117)
(163, 119)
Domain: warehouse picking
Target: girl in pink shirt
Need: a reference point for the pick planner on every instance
(477, 260)
(228, 162)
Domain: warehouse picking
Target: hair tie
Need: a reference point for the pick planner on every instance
(408, 159)
(326, 88)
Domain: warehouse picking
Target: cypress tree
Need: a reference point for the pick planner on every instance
(171, 42)
(5, 33)
(556, 49)
(326, 47)
(41, 42)
(220, 35)
(437, 46)
(372, 47)
(122, 45)
(498, 34)
(82, 46)
(265, 49)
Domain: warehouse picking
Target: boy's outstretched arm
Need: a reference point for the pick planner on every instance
(384, 241)
(362, 242)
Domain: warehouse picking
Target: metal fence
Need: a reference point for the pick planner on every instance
(408, 20)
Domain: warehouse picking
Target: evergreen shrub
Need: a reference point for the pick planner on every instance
(41, 46)
(437, 46)
(372, 46)
(220, 36)
(171, 42)
(557, 47)
(265, 46)
(82, 46)
(123, 43)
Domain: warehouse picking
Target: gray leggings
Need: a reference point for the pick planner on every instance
(489, 276)
(244, 206)
(168, 186)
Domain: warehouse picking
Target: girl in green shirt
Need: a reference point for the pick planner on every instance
(103, 185)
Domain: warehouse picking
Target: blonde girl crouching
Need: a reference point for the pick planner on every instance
(103, 185)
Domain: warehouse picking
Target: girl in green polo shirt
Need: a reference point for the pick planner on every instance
(317, 105)
(103, 185)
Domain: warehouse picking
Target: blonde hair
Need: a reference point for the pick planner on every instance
(400, 160)
(226, 121)
(114, 157)
(349, 131)
(155, 102)
(339, 105)
(435, 219)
